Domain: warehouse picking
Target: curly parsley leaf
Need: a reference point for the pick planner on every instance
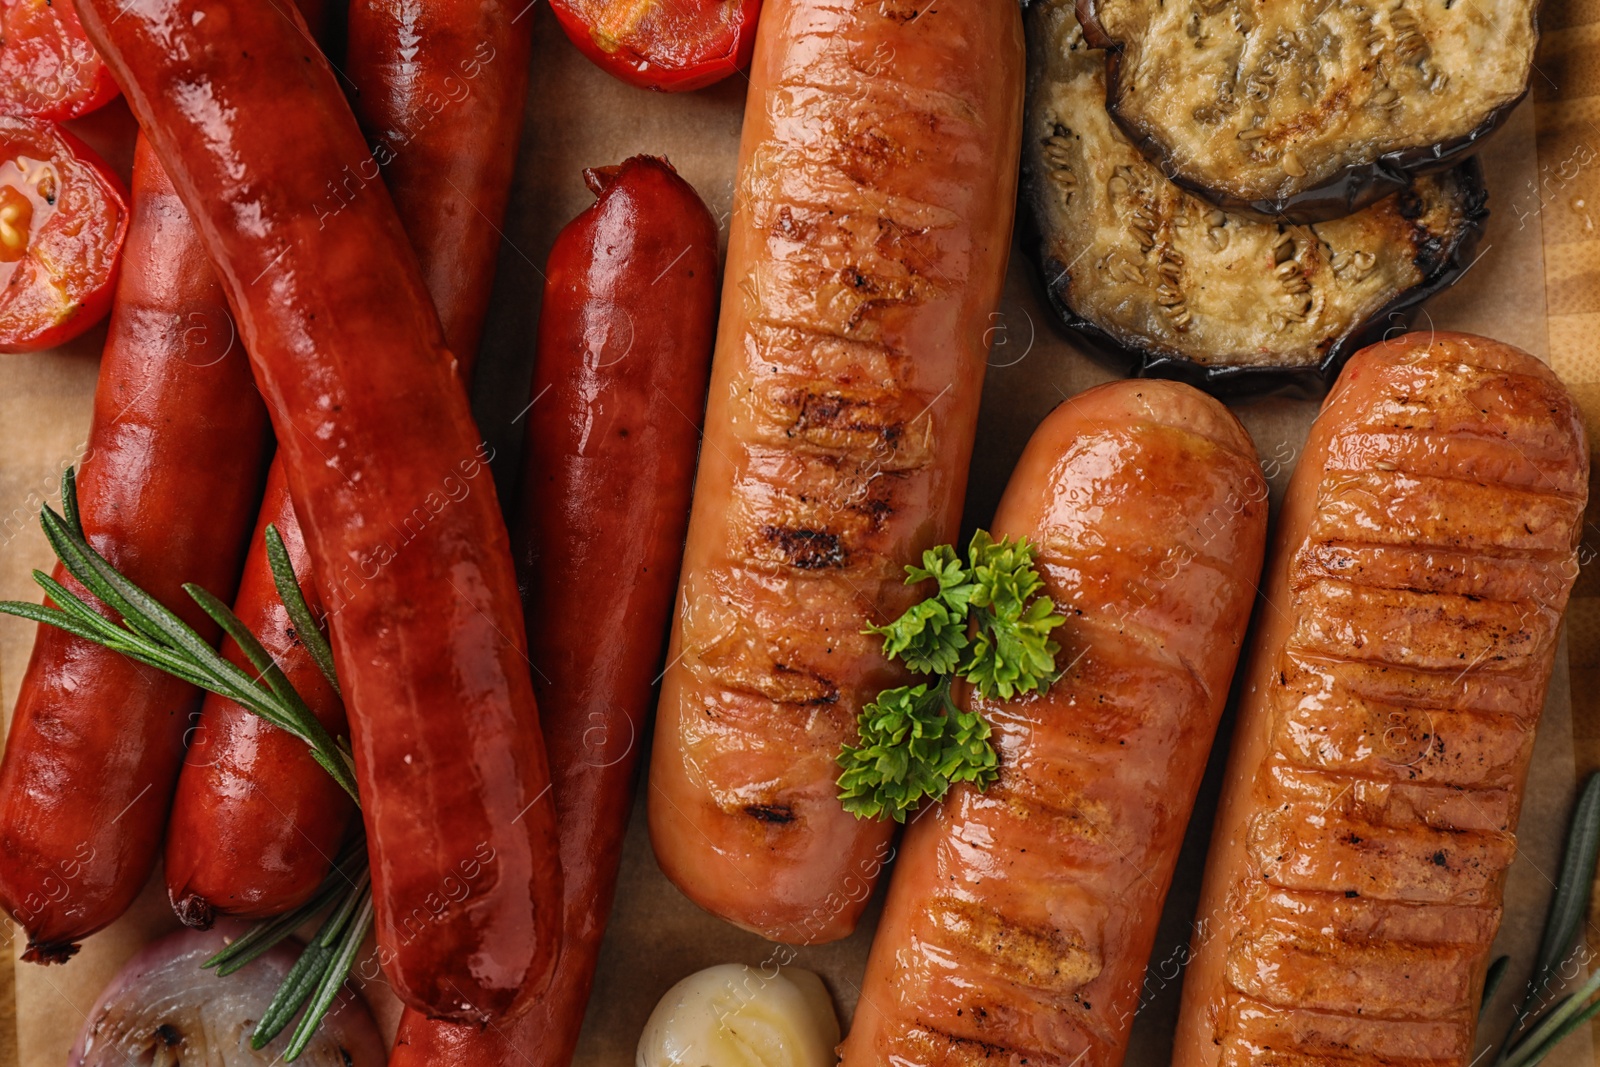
(915, 743)
(929, 637)
(987, 623)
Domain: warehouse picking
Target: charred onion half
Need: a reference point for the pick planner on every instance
(1307, 110)
(1194, 292)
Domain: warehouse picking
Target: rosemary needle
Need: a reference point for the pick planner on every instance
(148, 632)
(1567, 909)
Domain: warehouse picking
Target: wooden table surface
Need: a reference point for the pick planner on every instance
(1564, 204)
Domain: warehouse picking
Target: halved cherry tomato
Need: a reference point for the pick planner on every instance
(672, 45)
(63, 215)
(48, 68)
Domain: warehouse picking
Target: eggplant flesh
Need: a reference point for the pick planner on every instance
(1305, 110)
(1193, 291)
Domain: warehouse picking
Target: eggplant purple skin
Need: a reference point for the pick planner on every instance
(1355, 188)
(1311, 381)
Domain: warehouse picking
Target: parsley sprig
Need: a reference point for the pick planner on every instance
(150, 633)
(985, 623)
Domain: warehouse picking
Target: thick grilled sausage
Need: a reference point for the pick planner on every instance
(870, 233)
(1020, 918)
(1425, 552)
(167, 488)
(625, 332)
(387, 472)
(255, 824)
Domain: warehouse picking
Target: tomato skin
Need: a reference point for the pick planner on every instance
(715, 47)
(48, 68)
(63, 283)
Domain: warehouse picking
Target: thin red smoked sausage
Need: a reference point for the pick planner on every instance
(1019, 919)
(388, 477)
(439, 87)
(625, 333)
(167, 487)
(1420, 570)
(256, 822)
(869, 242)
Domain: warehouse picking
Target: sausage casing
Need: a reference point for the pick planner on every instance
(1020, 918)
(870, 233)
(255, 824)
(1424, 556)
(167, 489)
(625, 332)
(389, 479)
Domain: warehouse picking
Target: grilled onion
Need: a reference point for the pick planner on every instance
(163, 1010)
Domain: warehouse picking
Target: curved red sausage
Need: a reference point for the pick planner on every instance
(625, 335)
(389, 479)
(1020, 919)
(256, 822)
(167, 488)
(1421, 566)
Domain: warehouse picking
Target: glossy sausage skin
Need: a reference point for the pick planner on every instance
(255, 821)
(439, 87)
(1423, 560)
(167, 487)
(625, 334)
(1019, 919)
(256, 825)
(389, 479)
(871, 227)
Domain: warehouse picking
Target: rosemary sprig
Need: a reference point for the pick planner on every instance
(151, 634)
(987, 623)
(294, 601)
(1533, 1034)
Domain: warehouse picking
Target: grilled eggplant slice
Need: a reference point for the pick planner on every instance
(1305, 110)
(1194, 292)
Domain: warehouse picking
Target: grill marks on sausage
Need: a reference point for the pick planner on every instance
(1066, 835)
(1427, 598)
(835, 424)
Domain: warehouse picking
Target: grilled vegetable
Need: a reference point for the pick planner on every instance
(162, 1008)
(1192, 291)
(1309, 109)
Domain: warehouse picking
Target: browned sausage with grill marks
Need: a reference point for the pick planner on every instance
(870, 234)
(1425, 553)
(1020, 918)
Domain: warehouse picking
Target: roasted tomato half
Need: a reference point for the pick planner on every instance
(63, 215)
(671, 45)
(48, 68)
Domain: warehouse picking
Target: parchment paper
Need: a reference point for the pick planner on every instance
(579, 117)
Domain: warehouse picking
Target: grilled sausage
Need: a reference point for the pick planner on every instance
(256, 822)
(1020, 918)
(1426, 549)
(167, 489)
(869, 241)
(625, 331)
(386, 469)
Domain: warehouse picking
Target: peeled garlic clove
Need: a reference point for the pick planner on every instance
(736, 1016)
